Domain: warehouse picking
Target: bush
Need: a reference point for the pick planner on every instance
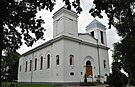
(117, 79)
(87, 84)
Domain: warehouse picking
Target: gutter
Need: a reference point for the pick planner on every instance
(98, 60)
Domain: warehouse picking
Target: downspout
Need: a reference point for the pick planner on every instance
(32, 67)
(98, 60)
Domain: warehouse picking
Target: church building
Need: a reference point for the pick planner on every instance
(70, 56)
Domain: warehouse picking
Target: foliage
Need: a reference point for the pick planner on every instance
(132, 82)
(21, 14)
(121, 14)
(10, 65)
(117, 79)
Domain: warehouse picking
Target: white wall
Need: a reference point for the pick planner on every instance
(71, 48)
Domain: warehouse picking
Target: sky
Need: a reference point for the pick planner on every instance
(83, 20)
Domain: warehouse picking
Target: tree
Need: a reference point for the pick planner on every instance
(10, 65)
(22, 14)
(117, 78)
(121, 14)
(123, 57)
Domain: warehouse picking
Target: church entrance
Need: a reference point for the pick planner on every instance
(88, 69)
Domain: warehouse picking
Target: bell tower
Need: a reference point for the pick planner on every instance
(65, 21)
(98, 31)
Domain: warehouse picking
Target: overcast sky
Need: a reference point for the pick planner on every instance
(83, 20)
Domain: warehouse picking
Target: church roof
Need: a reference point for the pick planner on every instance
(87, 34)
(95, 23)
(65, 10)
(75, 39)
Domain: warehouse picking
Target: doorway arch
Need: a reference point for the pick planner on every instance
(89, 68)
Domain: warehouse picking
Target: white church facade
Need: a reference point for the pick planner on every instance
(70, 55)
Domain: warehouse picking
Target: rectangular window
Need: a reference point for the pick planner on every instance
(102, 38)
(41, 63)
(104, 63)
(35, 64)
(20, 68)
(92, 33)
(30, 65)
(26, 67)
(57, 59)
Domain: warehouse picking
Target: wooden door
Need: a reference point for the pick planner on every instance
(88, 69)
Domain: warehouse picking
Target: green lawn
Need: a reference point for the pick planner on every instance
(7, 84)
(36, 85)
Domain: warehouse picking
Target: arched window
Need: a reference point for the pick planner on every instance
(26, 66)
(57, 59)
(36, 64)
(41, 62)
(104, 62)
(48, 61)
(71, 60)
(30, 65)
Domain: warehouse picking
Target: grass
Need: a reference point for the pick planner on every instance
(7, 84)
(36, 85)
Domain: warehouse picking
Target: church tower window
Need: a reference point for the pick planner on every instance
(35, 64)
(30, 65)
(104, 63)
(41, 62)
(57, 59)
(92, 33)
(48, 61)
(71, 60)
(102, 38)
(26, 66)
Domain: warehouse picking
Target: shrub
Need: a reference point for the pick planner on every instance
(117, 79)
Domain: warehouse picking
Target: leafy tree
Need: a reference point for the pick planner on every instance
(10, 65)
(22, 14)
(123, 58)
(117, 79)
(121, 14)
